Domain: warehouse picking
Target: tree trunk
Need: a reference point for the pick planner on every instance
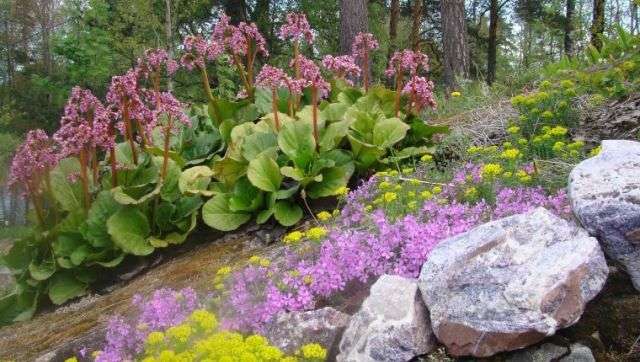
(568, 28)
(492, 51)
(236, 10)
(393, 27)
(597, 25)
(353, 20)
(416, 15)
(168, 28)
(263, 21)
(633, 9)
(454, 42)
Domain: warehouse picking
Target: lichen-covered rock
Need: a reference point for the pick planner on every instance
(509, 283)
(542, 353)
(392, 325)
(289, 331)
(605, 197)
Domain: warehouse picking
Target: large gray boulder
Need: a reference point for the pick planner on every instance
(392, 325)
(289, 331)
(509, 283)
(605, 196)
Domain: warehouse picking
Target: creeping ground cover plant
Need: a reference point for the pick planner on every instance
(135, 172)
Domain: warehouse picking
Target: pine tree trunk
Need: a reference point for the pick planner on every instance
(261, 17)
(454, 42)
(393, 27)
(353, 20)
(568, 28)
(597, 25)
(416, 15)
(236, 10)
(168, 29)
(493, 42)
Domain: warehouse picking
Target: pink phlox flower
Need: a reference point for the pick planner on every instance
(296, 28)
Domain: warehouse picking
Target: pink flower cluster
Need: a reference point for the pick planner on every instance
(311, 75)
(165, 308)
(85, 124)
(342, 66)
(407, 61)
(271, 77)
(34, 157)
(197, 51)
(363, 43)
(153, 61)
(239, 40)
(296, 28)
(420, 92)
(167, 105)
(126, 99)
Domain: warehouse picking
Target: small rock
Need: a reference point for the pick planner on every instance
(507, 284)
(605, 196)
(543, 353)
(289, 331)
(579, 353)
(392, 324)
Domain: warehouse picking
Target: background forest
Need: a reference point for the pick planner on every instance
(487, 46)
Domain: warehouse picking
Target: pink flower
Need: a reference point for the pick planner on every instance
(271, 77)
(342, 66)
(152, 62)
(197, 51)
(408, 61)
(363, 43)
(32, 158)
(310, 73)
(123, 96)
(167, 105)
(296, 28)
(420, 92)
(238, 39)
(85, 124)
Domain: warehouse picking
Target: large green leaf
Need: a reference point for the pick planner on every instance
(129, 229)
(332, 180)
(64, 286)
(134, 195)
(216, 214)
(287, 213)
(228, 170)
(258, 143)
(195, 181)
(67, 193)
(170, 191)
(264, 173)
(296, 141)
(333, 134)
(95, 228)
(388, 132)
(42, 271)
(245, 196)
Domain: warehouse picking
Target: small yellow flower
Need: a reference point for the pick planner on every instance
(342, 191)
(558, 131)
(377, 201)
(414, 182)
(513, 130)
(547, 115)
(393, 173)
(522, 141)
(384, 185)
(382, 173)
(456, 94)
(293, 237)
(323, 216)
(426, 195)
(390, 196)
(407, 170)
(576, 146)
(179, 333)
(368, 208)
(411, 194)
(474, 150)
(155, 338)
(426, 158)
(507, 145)
(471, 192)
(596, 151)
(264, 263)
(491, 170)
(558, 147)
(412, 205)
(219, 286)
(397, 188)
(308, 279)
(507, 174)
(510, 154)
(567, 84)
(254, 259)
(316, 233)
(313, 351)
(335, 212)
(224, 271)
(525, 179)
(436, 190)
(72, 359)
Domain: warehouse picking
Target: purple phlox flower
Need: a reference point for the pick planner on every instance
(296, 28)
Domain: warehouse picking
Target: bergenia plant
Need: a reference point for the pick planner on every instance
(273, 78)
(420, 92)
(310, 73)
(152, 65)
(361, 49)
(30, 169)
(405, 61)
(84, 127)
(296, 29)
(243, 43)
(344, 67)
(127, 106)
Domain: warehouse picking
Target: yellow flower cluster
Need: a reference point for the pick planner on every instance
(221, 275)
(256, 260)
(197, 339)
(511, 154)
(342, 191)
(293, 237)
(513, 130)
(426, 158)
(316, 233)
(323, 216)
(491, 170)
(456, 94)
(596, 151)
(390, 197)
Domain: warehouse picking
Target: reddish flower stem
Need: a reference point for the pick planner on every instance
(167, 138)
(129, 133)
(274, 107)
(314, 102)
(84, 178)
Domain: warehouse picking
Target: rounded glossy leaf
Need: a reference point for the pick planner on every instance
(287, 213)
(195, 181)
(264, 173)
(129, 229)
(216, 214)
(296, 141)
